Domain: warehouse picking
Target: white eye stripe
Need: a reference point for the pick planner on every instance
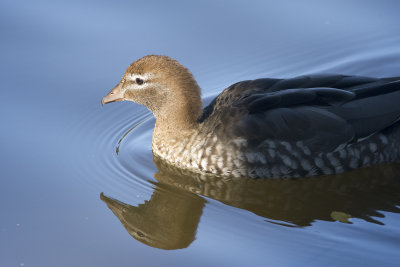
(144, 77)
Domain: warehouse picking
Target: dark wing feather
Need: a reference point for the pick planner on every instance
(315, 127)
(370, 114)
(292, 97)
(322, 111)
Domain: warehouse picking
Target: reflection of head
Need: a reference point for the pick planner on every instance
(168, 220)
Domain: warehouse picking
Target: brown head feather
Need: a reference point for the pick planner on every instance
(171, 93)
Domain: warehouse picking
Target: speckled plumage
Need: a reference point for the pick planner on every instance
(304, 126)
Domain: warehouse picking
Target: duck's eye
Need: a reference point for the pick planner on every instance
(139, 81)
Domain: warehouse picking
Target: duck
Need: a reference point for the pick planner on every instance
(310, 125)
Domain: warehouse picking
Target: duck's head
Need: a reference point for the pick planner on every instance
(161, 84)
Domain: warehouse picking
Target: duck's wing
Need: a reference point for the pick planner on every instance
(322, 111)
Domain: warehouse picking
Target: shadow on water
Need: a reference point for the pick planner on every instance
(170, 218)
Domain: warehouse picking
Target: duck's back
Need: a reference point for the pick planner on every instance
(304, 126)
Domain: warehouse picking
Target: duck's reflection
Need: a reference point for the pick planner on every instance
(169, 219)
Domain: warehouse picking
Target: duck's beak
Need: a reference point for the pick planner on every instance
(116, 94)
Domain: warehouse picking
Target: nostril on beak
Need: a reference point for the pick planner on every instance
(116, 94)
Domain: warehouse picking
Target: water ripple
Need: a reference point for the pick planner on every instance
(100, 135)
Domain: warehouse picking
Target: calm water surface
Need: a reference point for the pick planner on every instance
(79, 185)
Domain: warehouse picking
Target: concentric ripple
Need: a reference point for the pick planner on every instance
(105, 132)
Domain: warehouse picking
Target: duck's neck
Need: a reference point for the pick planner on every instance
(179, 115)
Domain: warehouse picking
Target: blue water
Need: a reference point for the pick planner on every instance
(58, 145)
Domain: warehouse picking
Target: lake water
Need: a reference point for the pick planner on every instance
(69, 199)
